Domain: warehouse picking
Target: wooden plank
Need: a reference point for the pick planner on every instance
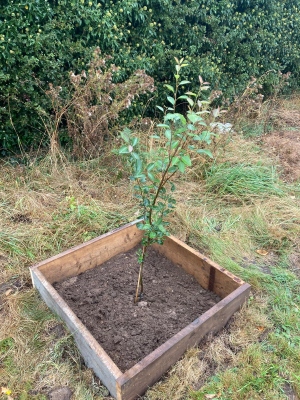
(209, 274)
(135, 381)
(85, 256)
(90, 254)
(94, 355)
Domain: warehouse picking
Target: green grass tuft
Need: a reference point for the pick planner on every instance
(242, 180)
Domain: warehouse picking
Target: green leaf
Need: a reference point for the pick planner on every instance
(197, 137)
(160, 108)
(186, 160)
(171, 100)
(205, 151)
(151, 177)
(125, 135)
(163, 125)
(142, 177)
(184, 82)
(191, 127)
(135, 141)
(194, 117)
(181, 167)
(191, 94)
(138, 166)
(173, 169)
(150, 167)
(171, 117)
(168, 134)
(175, 160)
(162, 228)
(178, 132)
(205, 136)
(175, 117)
(146, 227)
(170, 88)
(183, 97)
(152, 235)
(140, 225)
(190, 101)
(159, 221)
(159, 164)
(123, 150)
(174, 144)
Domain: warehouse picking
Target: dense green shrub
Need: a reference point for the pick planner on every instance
(226, 41)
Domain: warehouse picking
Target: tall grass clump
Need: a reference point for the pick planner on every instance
(242, 181)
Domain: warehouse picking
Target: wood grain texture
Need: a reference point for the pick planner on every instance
(90, 254)
(220, 281)
(94, 355)
(144, 374)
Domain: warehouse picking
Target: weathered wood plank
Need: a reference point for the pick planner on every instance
(144, 374)
(90, 254)
(209, 274)
(95, 252)
(94, 355)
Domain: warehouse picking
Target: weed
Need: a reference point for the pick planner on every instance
(6, 345)
(10, 243)
(93, 106)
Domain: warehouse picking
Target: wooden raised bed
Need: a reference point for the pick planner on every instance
(135, 381)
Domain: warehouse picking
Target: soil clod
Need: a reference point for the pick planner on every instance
(60, 393)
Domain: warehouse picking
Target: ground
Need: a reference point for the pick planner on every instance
(283, 142)
(241, 209)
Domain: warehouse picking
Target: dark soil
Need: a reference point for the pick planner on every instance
(19, 218)
(103, 300)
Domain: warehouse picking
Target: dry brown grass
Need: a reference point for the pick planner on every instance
(287, 113)
(36, 221)
(284, 140)
(44, 211)
(285, 146)
(214, 354)
(181, 378)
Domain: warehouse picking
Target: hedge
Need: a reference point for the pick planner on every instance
(226, 41)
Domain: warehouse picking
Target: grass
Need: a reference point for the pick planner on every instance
(242, 181)
(239, 213)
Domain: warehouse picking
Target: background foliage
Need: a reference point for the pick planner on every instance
(226, 41)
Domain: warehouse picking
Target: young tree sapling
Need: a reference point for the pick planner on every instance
(153, 170)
